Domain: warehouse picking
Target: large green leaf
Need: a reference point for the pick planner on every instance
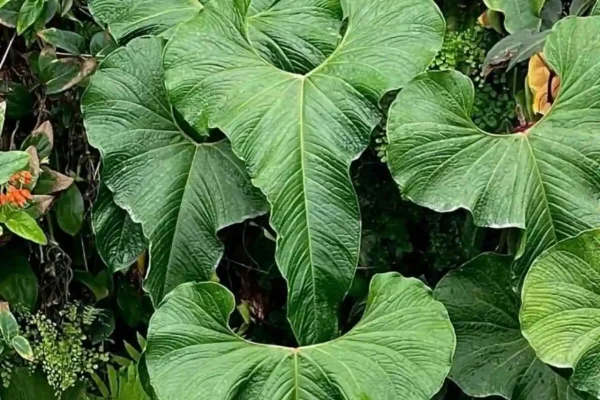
(545, 180)
(180, 191)
(518, 14)
(11, 162)
(299, 133)
(119, 240)
(149, 16)
(401, 349)
(492, 356)
(560, 315)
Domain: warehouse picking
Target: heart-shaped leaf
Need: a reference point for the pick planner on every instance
(401, 349)
(299, 133)
(545, 180)
(492, 357)
(119, 240)
(180, 191)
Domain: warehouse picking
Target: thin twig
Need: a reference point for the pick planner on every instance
(7, 50)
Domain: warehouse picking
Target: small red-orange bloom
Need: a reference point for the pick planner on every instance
(3, 199)
(21, 178)
(18, 197)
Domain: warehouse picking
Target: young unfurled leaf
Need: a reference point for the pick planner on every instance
(543, 82)
(69, 210)
(22, 224)
(66, 40)
(404, 334)
(22, 347)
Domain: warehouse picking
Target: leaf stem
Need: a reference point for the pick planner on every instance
(7, 50)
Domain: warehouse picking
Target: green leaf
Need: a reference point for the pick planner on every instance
(119, 240)
(70, 210)
(587, 371)
(560, 315)
(102, 44)
(8, 323)
(513, 49)
(492, 357)
(545, 180)
(98, 285)
(299, 133)
(42, 138)
(148, 16)
(60, 74)
(279, 32)
(401, 349)
(22, 347)
(19, 101)
(181, 192)
(66, 40)
(25, 385)
(18, 283)
(4, 2)
(28, 14)
(50, 182)
(133, 304)
(581, 7)
(518, 14)
(21, 224)
(130, 386)
(11, 162)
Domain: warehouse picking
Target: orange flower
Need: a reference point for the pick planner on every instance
(18, 197)
(21, 178)
(3, 199)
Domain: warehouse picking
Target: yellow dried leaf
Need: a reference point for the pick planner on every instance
(484, 20)
(541, 81)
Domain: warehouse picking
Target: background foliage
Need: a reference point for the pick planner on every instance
(107, 221)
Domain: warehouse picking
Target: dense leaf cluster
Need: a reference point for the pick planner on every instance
(307, 199)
